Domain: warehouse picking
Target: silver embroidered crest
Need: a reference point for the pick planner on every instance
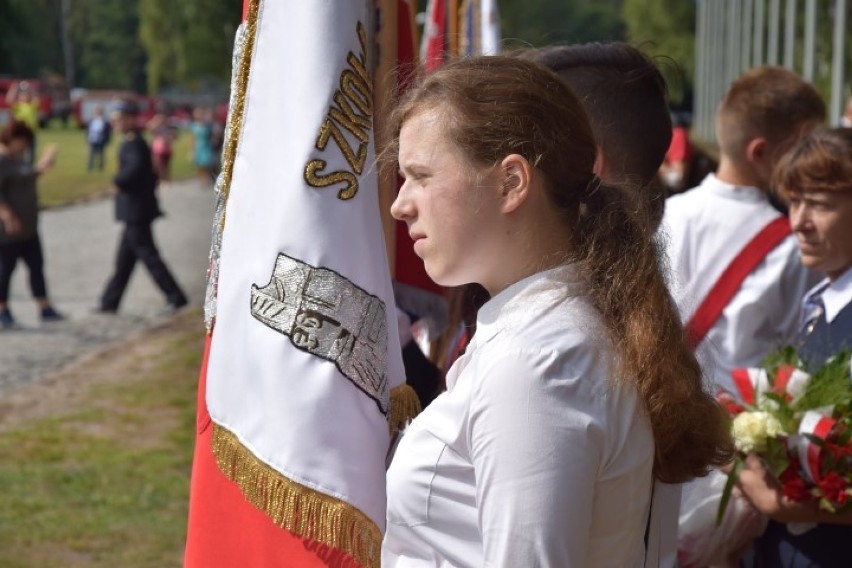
(326, 315)
(240, 41)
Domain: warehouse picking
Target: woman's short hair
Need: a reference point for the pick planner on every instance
(822, 161)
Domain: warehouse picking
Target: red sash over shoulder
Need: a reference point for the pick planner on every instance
(732, 278)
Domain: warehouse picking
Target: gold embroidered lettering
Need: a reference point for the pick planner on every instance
(346, 117)
(352, 112)
(314, 179)
(357, 91)
(356, 162)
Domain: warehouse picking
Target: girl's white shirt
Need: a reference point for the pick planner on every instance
(537, 455)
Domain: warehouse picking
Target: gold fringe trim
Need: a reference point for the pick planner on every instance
(404, 407)
(298, 509)
(238, 114)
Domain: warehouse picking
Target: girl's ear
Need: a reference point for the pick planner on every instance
(515, 185)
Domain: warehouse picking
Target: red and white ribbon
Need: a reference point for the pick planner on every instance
(790, 383)
(815, 423)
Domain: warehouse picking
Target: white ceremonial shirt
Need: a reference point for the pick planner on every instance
(833, 296)
(536, 455)
(705, 229)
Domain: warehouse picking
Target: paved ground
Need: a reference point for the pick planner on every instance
(79, 244)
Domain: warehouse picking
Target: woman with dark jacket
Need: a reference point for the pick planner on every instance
(815, 178)
(19, 237)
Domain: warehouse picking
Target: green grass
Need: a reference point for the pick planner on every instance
(105, 483)
(68, 181)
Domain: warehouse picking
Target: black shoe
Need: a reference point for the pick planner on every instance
(49, 314)
(104, 310)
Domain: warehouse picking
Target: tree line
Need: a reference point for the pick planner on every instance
(141, 45)
(148, 45)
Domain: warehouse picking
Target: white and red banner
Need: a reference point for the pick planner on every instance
(433, 49)
(304, 352)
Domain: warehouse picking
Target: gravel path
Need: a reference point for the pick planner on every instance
(79, 245)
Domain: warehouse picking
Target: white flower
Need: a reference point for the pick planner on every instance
(751, 430)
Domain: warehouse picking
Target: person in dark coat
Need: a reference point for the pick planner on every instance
(136, 206)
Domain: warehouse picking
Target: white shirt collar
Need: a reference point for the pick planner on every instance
(747, 193)
(834, 295)
(524, 299)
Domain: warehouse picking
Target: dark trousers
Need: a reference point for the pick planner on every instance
(96, 156)
(137, 243)
(30, 251)
(826, 546)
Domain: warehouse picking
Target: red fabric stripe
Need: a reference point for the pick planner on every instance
(225, 530)
(745, 388)
(782, 378)
(732, 278)
(821, 430)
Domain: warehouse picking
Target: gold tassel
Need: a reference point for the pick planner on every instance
(404, 407)
(298, 509)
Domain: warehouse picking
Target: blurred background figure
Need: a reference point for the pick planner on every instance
(846, 119)
(675, 169)
(203, 152)
(24, 106)
(98, 135)
(162, 141)
(136, 206)
(19, 238)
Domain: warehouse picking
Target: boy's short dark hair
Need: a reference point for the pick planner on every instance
(625, 96)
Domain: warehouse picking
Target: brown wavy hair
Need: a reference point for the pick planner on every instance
(496, 106)
(821, 161)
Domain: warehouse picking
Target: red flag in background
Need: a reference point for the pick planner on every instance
(409, 267)
(407, 42)
(300, 388)
(415, 292)
(433, 51)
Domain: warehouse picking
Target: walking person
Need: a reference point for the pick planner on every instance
(577, 391)
(98, 135)
(136, 206)
(19, 238)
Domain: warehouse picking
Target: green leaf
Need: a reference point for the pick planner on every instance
(729, 487)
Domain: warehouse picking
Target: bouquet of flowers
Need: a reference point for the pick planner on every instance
(800, 424)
